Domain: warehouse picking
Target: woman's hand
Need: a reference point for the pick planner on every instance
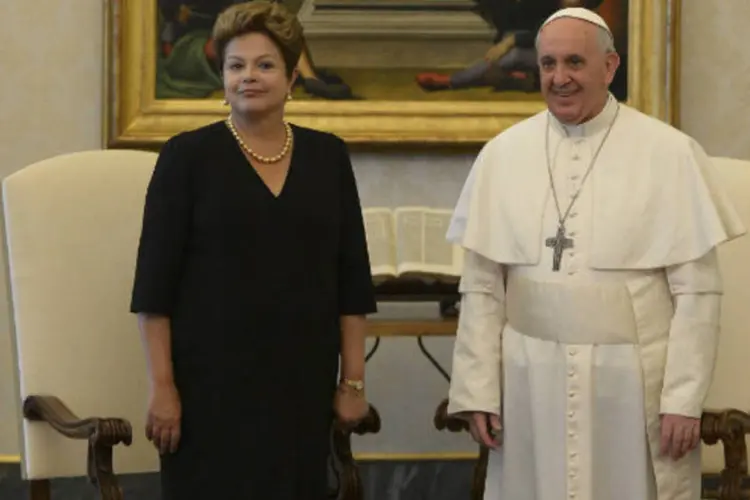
(163, 419)
(350, 406)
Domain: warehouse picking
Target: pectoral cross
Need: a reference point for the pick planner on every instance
(558, 243)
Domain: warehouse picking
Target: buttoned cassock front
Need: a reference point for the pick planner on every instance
(589, 356)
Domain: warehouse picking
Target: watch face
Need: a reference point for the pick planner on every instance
(355, 384)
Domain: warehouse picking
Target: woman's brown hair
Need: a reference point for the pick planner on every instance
(260, 16)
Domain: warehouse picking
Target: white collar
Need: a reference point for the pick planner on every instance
(591, 127)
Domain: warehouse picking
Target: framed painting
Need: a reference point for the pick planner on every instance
(377, 71)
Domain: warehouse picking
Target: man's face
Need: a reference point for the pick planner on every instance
(575, 70)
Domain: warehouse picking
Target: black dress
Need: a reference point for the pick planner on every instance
(254, 285)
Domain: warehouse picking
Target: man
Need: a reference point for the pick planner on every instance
(591, 289)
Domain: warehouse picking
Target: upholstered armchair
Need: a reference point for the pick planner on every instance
(72, 225)
(725, 422)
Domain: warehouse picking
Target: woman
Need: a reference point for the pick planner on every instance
(252, 278)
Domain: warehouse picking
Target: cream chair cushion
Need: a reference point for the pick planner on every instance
(72, 226)
(730, 388)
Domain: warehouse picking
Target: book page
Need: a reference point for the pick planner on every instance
(421, 246)
(439, 253)
(380, 242)
(409, 236)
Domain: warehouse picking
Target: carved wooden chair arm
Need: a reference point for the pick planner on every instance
(728, 427)
(370, 424)
(443, 421)
(102, 435)
(349, 481)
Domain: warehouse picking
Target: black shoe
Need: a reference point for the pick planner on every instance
(333, 91)
(329, 76)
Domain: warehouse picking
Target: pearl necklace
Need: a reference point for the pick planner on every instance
(256, 156)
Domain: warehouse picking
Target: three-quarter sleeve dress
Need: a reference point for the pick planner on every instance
(254, 285)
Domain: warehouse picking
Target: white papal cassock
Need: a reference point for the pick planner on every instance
(580, 362)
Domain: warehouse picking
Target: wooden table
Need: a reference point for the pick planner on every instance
(412, 328)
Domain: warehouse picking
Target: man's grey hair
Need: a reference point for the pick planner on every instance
(603, 37)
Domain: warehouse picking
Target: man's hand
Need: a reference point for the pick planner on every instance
(679, 435)
(485, 428)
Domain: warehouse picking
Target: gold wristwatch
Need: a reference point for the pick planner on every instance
(357, 385)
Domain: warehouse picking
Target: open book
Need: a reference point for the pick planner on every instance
(409, 242)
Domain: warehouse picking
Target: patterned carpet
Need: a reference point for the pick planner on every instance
(140, 487)
(429, 480)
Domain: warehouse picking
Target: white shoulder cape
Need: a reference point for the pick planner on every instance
(657, 198)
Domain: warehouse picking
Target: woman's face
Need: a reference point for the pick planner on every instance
(255, 76)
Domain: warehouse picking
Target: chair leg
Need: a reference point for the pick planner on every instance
(350, 483)
(39, 489)
(100, 470)
(442, 421)
(480, 474)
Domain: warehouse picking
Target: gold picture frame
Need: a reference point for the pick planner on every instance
(134, 117)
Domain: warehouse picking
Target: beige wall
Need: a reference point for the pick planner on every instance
(716, 75)
(50, 103)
